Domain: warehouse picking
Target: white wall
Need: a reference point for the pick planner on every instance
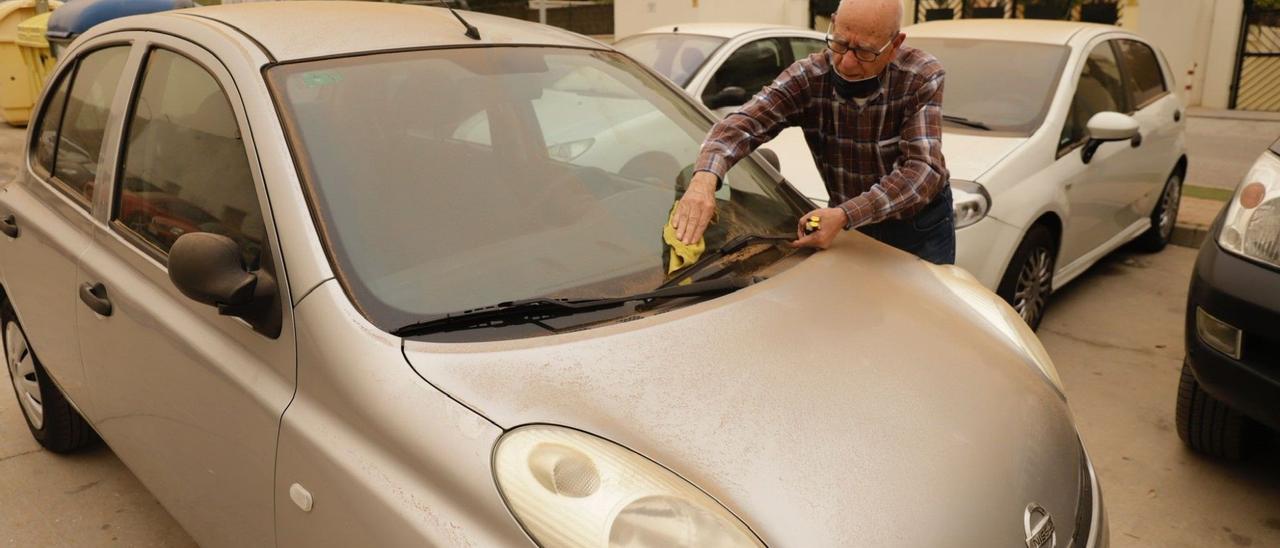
(632, 16)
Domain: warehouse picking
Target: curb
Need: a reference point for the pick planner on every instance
(1189, 235)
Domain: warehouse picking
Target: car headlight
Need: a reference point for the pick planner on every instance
(971, 200)
(995, 311)
(569, 488)
(570, 151)
(1251, 228)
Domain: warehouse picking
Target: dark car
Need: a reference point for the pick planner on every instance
(1231, 376)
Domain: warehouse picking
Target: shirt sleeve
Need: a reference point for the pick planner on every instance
(777, 106)
(921, 173)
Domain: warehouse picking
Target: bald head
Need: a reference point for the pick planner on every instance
(878, 19)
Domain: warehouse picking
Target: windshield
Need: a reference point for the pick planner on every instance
(981, 87)
(676, 56)
(446, 180)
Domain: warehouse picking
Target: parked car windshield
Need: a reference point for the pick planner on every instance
(676, 56)
(981, 85)
(446, 180)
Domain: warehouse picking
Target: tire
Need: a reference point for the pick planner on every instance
(1028, 281)
(1163, 217)
(1207, 425)
(52, 421)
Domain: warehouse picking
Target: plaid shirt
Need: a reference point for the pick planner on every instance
(881, 160)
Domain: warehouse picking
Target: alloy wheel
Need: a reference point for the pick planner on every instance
(1169, 207)
(22, 372)
(1032, 290)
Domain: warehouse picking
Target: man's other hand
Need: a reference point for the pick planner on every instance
(831, 222)
(695, 209)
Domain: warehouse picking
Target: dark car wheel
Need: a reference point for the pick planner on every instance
(1028, 282)
(1163, 217)
(1206, 424)
(53, 422)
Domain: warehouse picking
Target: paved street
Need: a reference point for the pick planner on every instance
(1115, 334)
(1225, 144)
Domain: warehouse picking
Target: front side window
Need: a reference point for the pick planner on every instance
(1100, 90)
(185, 168)
(448, 180)
(751, 67)
(84, 121)
(1143, 74)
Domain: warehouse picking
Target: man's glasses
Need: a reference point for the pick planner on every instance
(865, 55)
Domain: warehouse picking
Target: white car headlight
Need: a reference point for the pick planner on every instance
(568, 488)
(1001, 316)
(1251, 228)
(971, 200)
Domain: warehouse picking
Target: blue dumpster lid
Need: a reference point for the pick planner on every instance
(76, 16)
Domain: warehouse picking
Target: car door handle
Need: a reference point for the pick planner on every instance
(1136, 141)
(1177, 115)
(9, 225)
(95, 295)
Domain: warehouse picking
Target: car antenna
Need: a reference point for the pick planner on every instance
(472, 32)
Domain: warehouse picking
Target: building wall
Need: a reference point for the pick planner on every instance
(632, 16)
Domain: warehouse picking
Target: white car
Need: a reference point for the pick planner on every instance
(1064, 140)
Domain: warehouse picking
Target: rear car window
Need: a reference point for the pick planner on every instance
(1143, 74)
(75, 149)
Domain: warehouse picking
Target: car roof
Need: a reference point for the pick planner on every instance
(333, 28)
(723, 30)
(1012, 30)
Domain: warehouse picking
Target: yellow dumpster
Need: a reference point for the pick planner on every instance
(17, 93)
(34, 48)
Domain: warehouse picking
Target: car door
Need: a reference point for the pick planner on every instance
(189, 399)
(1098, 191)
(47, 210)
(1159, 115)
(752, 66)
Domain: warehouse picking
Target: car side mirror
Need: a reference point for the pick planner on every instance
(1106, 127)
(209, 269)
(730, 96)
(771, 157)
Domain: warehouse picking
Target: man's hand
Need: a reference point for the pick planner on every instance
(695, 209)
(831, 222)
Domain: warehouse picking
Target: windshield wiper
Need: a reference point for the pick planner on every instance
(730, 246)
(966, 122)
(545, 308)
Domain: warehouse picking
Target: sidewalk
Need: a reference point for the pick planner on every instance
(1194, 217)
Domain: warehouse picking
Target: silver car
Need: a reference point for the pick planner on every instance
(360, 274)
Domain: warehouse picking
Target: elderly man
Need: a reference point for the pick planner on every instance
(871, 110)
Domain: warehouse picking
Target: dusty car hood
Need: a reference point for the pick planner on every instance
(970, 155)
(849, 400)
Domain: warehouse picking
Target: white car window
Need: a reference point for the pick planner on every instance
(185, 167)
(751, 67)
(1100, 89)
(1142, 72)
(676, 56)
(804, 47)
(93, 88)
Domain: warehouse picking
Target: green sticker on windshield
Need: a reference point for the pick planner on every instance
(319, 79)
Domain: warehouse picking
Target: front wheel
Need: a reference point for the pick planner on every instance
(1206, 424)
(1028, 281)
(1163, 217)
(52, 421)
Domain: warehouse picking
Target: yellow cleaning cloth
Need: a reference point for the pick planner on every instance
(681, 254)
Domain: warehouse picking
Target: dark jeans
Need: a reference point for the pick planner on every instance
(930, 235)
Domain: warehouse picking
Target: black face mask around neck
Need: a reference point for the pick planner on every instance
(850, 89)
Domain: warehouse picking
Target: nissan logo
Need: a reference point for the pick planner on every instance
(1038, 524)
